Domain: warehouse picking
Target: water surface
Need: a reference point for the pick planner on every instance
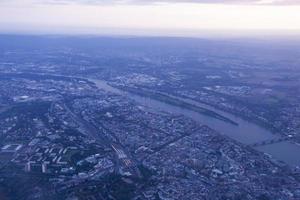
(245, 132)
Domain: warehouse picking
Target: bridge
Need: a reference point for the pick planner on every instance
(268, 142)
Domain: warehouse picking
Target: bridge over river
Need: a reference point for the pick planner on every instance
(269, 142)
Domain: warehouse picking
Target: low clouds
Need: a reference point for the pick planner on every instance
(253, 2)
(137, 2)
(141, 17)
(122, 2)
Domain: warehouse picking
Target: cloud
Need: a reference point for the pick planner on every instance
(122, 2)
(254, 2)
(90, 17)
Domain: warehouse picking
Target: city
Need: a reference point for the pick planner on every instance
(89, 123)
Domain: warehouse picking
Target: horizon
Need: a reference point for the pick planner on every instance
(157, 18)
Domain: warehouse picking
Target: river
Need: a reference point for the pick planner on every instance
(245, 132)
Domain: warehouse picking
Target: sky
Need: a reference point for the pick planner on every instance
(150, 17)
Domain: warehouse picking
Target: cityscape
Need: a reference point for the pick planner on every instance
(149, 100)
(79, 124)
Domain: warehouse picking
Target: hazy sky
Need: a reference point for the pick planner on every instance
(170, 17)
